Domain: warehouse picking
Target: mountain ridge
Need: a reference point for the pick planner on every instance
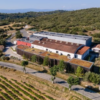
(27, 10)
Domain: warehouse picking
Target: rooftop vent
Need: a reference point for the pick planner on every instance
(71, 43)
(77, 44)
(55, 40)
(48, 54)
(43, 43)
(50, 40)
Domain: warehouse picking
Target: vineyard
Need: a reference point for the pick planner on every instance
(14, 90)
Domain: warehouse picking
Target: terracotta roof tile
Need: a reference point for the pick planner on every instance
(58, 45)
(83, 50)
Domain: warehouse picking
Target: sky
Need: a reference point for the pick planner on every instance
(49, 4)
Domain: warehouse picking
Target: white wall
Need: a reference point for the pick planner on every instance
(72, 55)
(53, 50)
(84, 55)
(79, 56)
(15, 42)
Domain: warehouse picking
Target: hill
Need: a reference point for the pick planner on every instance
(28, 14)
(82, 22)
(24, 10)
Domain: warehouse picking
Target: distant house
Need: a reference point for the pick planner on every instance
(1, 47)
(96, 48)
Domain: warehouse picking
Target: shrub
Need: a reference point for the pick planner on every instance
(73, 81)
(79, 71)
(92, 77)
(33, 58)
(61, 66)
(18, 35)
(46, 61)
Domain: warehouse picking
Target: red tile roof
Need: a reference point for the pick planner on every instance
(22, 47)
(83, 50)
(58, 45)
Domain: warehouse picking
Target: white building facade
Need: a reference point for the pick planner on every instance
(67, 54)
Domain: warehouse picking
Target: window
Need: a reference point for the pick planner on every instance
(69, 56)
(56, 51)
(46, 49)
(61, 54)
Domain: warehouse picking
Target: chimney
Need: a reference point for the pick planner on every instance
(55, 40)
(43, 43)
(60, 41)
(77, 44)
(50, 40)
(71, 43)
(66, 42)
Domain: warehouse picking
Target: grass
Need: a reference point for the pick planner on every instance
(13, 49)
(81, 62)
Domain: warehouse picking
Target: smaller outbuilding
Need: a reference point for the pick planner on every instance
(96, 48)
(28, 41)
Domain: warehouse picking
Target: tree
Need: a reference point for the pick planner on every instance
(72, 81)
(53, 71)
(86, 76)
(79, 71)
(18, 35)
(92, 77)
(61, 66)
(24, 63)
(33, 58)
(24, 57)
(1, 53)
(46, 61)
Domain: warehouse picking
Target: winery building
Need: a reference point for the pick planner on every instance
(71, 50)
(78, 39)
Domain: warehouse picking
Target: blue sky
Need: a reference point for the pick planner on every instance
(48, 4)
